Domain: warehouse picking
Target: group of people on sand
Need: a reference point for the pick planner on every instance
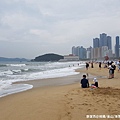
(110, 65)
(87, 65)
(85, 82)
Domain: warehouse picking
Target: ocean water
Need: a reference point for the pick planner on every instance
(11, 72)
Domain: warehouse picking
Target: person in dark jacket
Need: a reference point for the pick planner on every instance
(100, 65)
(87, 65)
(84, 82)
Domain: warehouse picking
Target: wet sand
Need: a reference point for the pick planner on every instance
(65, 102)
(56, 81)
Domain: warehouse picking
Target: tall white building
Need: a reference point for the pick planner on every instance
(79, 51)
(109, 53)
(104, 50)
(74, 50)
(88, 54)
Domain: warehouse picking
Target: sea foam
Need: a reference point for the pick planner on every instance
(14, 72)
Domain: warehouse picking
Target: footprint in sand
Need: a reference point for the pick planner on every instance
(74, 93)
(98, 101)
(84, 104)
(66, 95)
(68, 102)
(118, 105)
(90, 105)
(95, 109)
(71, 107)
(105, 99)
(68, 113)
(80, 108)
(116, 100)
(88, 110)
(85, 95)
(71, 99)
(104, 105)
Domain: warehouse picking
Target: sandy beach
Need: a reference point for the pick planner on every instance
(65, 102)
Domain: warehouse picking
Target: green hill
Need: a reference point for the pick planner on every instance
(48, 57)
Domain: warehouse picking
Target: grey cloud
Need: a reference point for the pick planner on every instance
(54, 25)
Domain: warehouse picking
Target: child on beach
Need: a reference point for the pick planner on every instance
(95, 82)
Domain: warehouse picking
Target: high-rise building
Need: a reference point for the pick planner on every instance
(109, 44)
(117, 47)
(104, 50)
(109, 53)
(82, 53)
(79, 51)
(88, 52)
(104, 44)
(95, 42)
(92, 53)
(97, 53)
(73, 50)
(103, 40)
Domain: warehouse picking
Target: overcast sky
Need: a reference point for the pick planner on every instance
(29, 28)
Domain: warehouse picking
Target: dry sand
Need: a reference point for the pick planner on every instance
(68, 102)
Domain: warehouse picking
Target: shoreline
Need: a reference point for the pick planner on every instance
(17, 73)
(56, 81)
(65, 102)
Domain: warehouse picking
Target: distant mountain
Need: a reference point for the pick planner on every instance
(48, 57)
(13, 59)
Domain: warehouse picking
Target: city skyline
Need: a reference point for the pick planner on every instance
(103, 40)
(102, 46)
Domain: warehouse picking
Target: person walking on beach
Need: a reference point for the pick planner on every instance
(84, 82)
(110, 71)
(100, 65)
(118, 65)
(87, 65)
(91, 64)
(114, 68)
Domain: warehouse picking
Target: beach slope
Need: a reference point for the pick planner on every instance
(68, 102)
